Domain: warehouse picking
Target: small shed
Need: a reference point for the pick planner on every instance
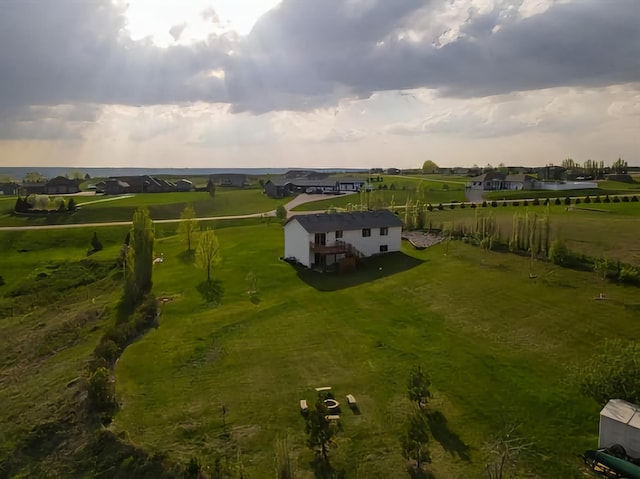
(620, 424)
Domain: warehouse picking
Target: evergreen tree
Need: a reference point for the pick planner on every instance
(96, 245)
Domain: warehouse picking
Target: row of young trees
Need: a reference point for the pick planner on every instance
(34, 203)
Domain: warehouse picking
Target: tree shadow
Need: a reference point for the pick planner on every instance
(187, 257)
(367, 270)
(324, 470)
(420, 473)
(211, 291)
(448, 439)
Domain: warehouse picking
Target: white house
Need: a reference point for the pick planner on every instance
(325, 239)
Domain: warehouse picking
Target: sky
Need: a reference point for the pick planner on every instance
(318, 83)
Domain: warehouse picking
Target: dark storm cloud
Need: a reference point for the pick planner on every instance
(310, 53)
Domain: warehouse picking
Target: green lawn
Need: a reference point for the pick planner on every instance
(499, 348)
(611, 231)
(228, 201)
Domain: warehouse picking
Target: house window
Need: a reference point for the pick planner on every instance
(384, 231)
(366, 232)
(384, 248)
(338, 234)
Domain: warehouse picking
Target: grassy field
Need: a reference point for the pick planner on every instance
(403, 189)
(500, 348)
(505, 362)
(227, 202)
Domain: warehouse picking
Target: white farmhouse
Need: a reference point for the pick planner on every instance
(324, 239)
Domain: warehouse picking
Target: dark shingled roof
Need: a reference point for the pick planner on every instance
(323, 223)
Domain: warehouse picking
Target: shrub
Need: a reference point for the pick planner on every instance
(557, 201)
(515, 203)
(587, 200)
(629, 275)
(547, 202)
(578, 201)
(504, 203)
(536, 202)
(61, 206)
(462, 205)
(607, 199)
(96, 245)
(71, 206)
(281, 212)
(625, 199)
(473, 205)
(108, 351)
(452, 206)
(494, 204)
(525, 203)
(440, 207)
(429, 207)
(484, 204)
(567, 201)
(597, 199)
(558, 252)
(616, 199)
(634, 199)
(101, 391)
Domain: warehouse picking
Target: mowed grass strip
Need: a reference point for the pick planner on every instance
(499, 347)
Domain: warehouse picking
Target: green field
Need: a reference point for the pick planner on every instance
(227, 202)
(500, 348)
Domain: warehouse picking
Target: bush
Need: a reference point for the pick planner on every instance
(634, 199)
(440, 207)
(629, 275)
(515, 203)
(462, 205)
(547, 202)
(101, 391)
(494, 204)
(525, 203)
(281, 212)
(597, 199)
(557, 201)
(473, 205)
(484, 204)
(71, 206)
(536, 202)
(578, 201)
(558, 252)
(607, 199)
(108, 351)
(96, 245)
(625, 199)
(504, 203)
(616, 199)
(452, 206)
(429, 207)
(587, 200)
(567, 201)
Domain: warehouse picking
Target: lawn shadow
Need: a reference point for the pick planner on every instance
(324, 470)
(367, 270)
(211, 291)
(187, 257)
(448, 439)
(419, 473)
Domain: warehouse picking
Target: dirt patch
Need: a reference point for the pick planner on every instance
(422, 240)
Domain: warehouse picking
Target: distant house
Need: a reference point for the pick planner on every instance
(183, 185)
(351, 184)
(521, 182)
(61, 185)
(236, 180)
(393, 171)
(326, 239)
(112, 186)
(281, 187)
(9, 189)
(490, 181)
(142, 184)
(551, 173)
(29, 188)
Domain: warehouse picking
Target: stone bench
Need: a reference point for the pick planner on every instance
(303, 405)
(351, 400)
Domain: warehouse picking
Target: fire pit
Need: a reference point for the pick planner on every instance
(331, 404)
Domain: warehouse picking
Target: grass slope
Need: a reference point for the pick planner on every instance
(499, 348)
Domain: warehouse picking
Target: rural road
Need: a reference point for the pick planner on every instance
(297, 201)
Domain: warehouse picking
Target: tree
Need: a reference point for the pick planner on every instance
(34, 177)
(41, 202)
(558, 252)
(188, 226)
(569, 164)
(139, 259)
(619, 166)
(320, 431)
(418, 386)
(429, 167)
(612, 372)
(76, 175)
(208, 252)
(96, 245)
(101, 393)
(71, 206)
(601, 268)
(414, 441)
(211, 188)
(281, 212)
